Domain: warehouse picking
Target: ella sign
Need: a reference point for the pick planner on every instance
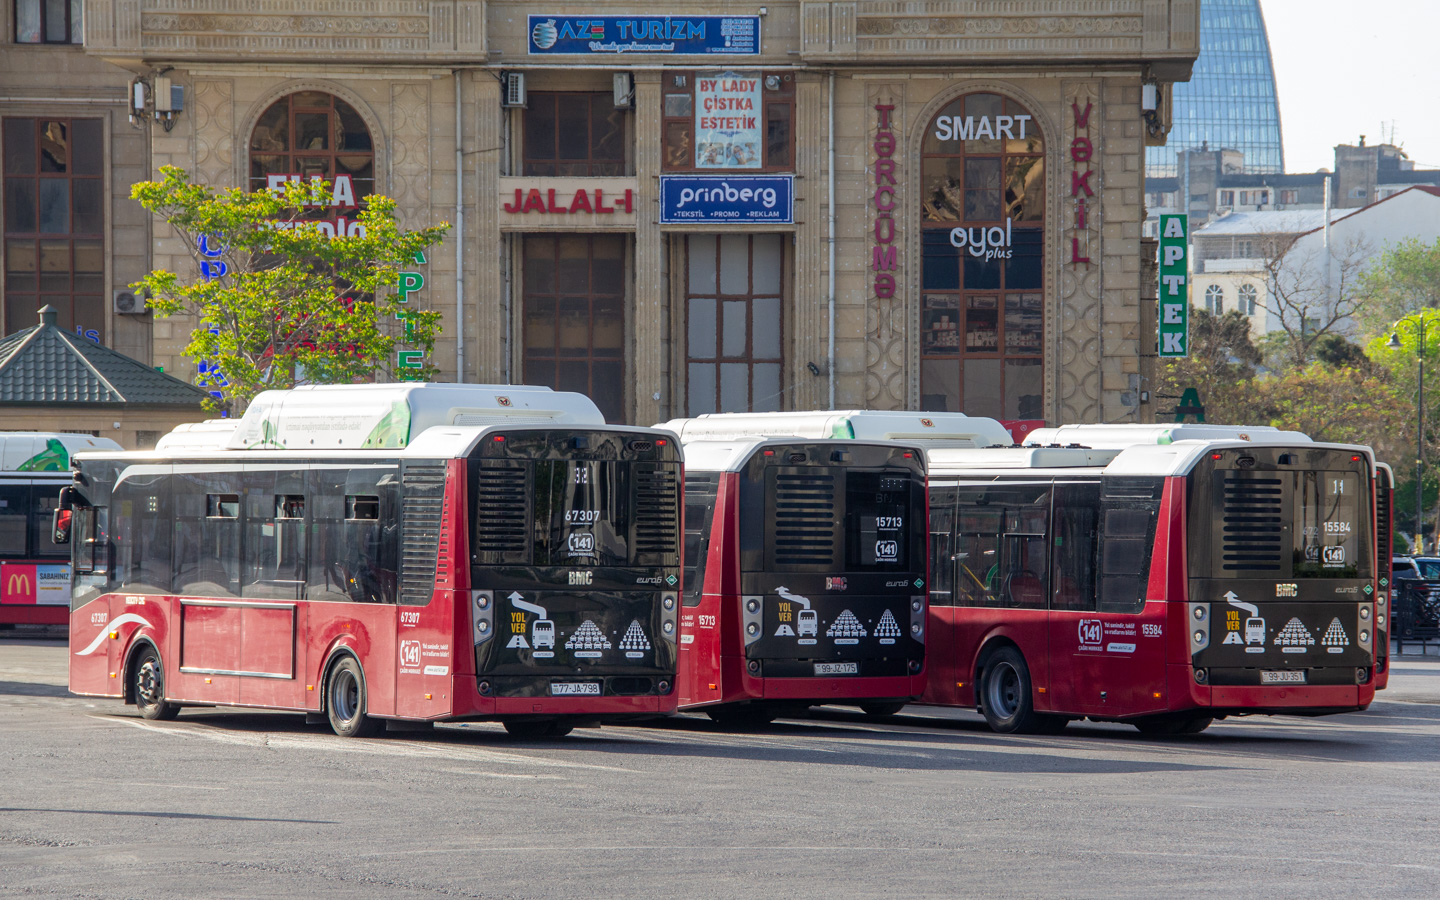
(1174, 286)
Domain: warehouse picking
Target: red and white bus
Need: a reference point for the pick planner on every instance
(1212, 572)
(386, 555)
(34, 571)
(805, 564)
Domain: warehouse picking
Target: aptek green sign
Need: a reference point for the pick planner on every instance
(1174, 286)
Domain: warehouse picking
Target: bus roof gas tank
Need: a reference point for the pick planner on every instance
(1122, 436)
(374, 416)
(924, 428)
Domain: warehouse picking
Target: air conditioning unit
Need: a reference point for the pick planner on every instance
(129, 303)
(513, 85)
(624, 90)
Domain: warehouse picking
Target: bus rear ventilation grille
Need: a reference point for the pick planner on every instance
(657, 509)
(500, 510)
(804, 519)
(1252, 524)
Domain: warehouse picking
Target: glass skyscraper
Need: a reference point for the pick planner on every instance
(1229, 101)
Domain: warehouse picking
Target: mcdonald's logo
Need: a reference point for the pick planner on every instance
(19, 581)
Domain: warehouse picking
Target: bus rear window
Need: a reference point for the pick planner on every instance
(877, 513)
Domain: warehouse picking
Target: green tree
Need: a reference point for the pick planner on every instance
(1338, 404)
(291, 302)
(1405, 279)
(1220, 366)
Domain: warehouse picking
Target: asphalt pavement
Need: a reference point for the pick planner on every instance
(96, 802)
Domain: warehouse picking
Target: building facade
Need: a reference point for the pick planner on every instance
(797, 205)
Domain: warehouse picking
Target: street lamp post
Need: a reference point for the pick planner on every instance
(1394, 344)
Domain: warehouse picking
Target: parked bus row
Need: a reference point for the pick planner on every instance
(396, 555)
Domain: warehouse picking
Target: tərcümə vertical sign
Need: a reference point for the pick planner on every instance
(1174, 286)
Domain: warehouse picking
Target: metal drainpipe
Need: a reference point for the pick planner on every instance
(459, 233)
(830, 126)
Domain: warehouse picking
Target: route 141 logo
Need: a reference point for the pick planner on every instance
(1334, 556)
(409, 653)
(582, 543)
(1091, 633)
(887, 551)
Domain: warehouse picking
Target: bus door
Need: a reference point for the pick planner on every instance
(699, 661)
(941, 687)
(1106, 642)
(425, 622)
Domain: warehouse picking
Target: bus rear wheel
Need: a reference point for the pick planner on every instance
(149, 684)
(530, 730)
(346, 700)
(882, 709)
(1006, 698)
(1172, 725)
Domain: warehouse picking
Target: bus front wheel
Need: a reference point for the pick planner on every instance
(1006, 697)
(149, 682)
(346, 700)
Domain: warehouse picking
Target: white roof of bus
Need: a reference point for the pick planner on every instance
(389, 416)
(732, 455)
(1142, 459)
(1127, 435)
(45, 451)
(921, 428)
(440, 442)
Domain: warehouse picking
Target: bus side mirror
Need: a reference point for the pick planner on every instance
(60, 525)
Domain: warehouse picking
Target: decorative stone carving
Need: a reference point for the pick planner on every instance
(410, 152)
(213, 110)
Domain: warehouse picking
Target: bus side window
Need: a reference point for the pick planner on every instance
(700, 495)
(1025, 564)
(1129, 509)
(942, 547)
(978, 525)
(275, 535)
(42, 513)
(14, 509)
(143, 531)
(1077, 512)
(326, 580)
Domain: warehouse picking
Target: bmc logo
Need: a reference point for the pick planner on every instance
(582, 542)
(409, 653)
(584, 577)
(1091, 633)
(887, 551)
(836, 584)
(1335, 555)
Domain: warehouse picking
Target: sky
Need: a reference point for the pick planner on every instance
(1344, 67)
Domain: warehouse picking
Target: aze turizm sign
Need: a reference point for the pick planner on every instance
(1174, 286)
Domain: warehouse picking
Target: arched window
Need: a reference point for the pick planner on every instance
(1248, 296)
(982, 210)
(1215, 300)
(309, 134)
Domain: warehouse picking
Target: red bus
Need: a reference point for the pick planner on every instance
(34, 571)
(1164, 585)
(386, 556)
(805, 563)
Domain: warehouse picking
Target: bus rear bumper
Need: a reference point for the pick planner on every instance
(841, 689)
(1275, 698)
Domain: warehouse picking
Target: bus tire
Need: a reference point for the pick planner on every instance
(148, 679)
(1007, 700)
(532, 730)
(346, 700)
(882, 708)
(1173, 724)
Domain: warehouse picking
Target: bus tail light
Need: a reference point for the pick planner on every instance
(917, 618)
(669, 601)
(752, 616)
(1363, 628)
(482, 611)
(1199, 628)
